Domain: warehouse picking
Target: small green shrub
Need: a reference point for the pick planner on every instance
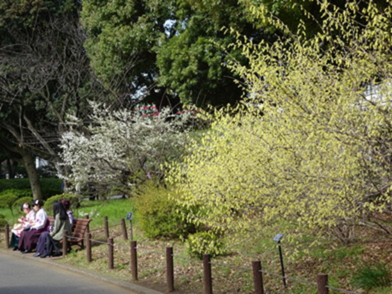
(17, 192)
(202, 243)
(158, 216)
(369, 277)
(73, 198)
(20, 201)
(3, 222)
(7, 200)
(2, 216)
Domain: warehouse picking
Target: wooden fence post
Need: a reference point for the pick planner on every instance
(65, 244)
(257, 277)
(134, 260)
(207, 274)
(322, 284)
(106, 226)
(88, 247)
(110, 254)
(124, 229)
(7, 236)
(169, 269)
(88, 226)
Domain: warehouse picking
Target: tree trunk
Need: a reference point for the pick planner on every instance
(11, 168)
(28, 161)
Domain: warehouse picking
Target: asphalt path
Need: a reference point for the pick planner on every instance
(27, 275)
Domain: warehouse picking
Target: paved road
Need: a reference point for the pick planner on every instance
(27, 275)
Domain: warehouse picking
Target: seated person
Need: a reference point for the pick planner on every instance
(24, 222)
(29, 237)
(67, 205)
(48, 241)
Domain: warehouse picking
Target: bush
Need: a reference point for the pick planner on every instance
(2, 216)
(19, 184)
(3, 222)
(50, 187)
(7, 200)
(20, 201)
(158, 216)
(73, 198)
(370, 277)
(17, 192)
(204, 243)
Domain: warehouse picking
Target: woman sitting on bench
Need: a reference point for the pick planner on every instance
(29, 237)
(49, 240)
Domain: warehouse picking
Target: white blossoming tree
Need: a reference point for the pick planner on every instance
(121, 148)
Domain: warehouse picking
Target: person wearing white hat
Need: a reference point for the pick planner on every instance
(24, 222)
(29, 237)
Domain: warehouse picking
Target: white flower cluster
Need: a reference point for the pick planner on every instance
(119, 148)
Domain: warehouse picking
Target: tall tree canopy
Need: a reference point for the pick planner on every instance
(44, 73)
(170, 48)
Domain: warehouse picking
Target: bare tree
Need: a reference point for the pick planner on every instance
(44, 74)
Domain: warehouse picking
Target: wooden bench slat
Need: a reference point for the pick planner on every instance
(79, 230)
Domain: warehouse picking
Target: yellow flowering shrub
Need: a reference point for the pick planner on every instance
(311, 144)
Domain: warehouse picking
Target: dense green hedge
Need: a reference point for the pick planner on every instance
(49, 186)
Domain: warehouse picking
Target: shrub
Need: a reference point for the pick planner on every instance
(370, 277)
(17, 192)
(202, 243)
(73, 198)
(14, 184)
(3, 222)
(158, 216)
(7, 200)
(20, 201)
(49, 186)
(2, 216)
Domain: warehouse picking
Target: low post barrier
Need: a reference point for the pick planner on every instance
(124, 229)
(134, 260)
(169, 269)
(88, 227)
(257, 277)
(106, 226)
(322, 284)
(65, 244)
(7, 236)
(88, 248)
(110, 254)
(207, 274)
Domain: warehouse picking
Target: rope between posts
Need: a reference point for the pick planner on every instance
(342, 290)
(230, 266)
(99, 242)
(186, 258)
(115, 225)
(300, 281)
(149, 251)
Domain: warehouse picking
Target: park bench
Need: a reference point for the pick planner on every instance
(78, 231)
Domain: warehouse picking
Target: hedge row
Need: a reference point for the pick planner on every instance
(49, 186)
